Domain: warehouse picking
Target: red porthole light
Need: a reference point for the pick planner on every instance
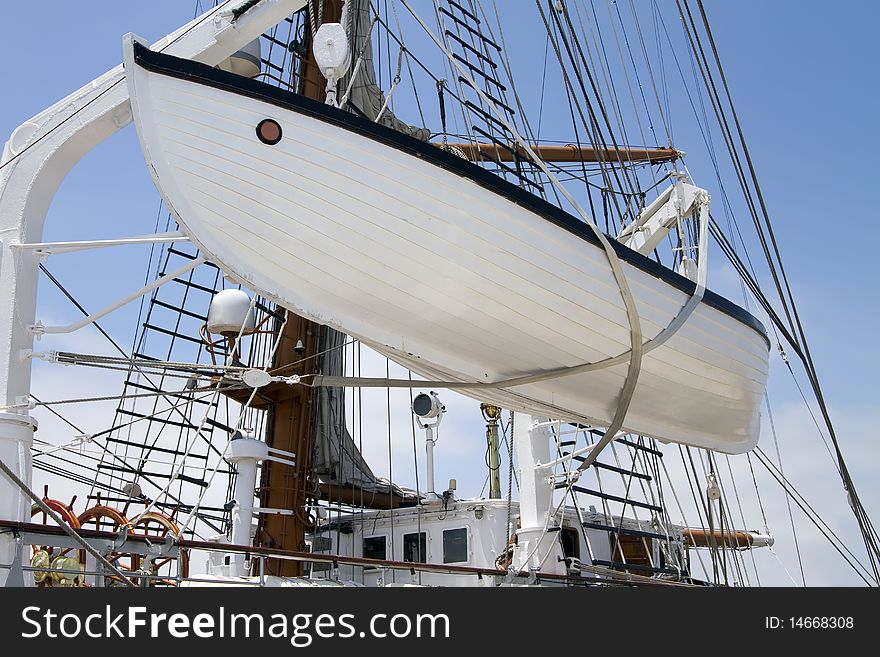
(269, 131)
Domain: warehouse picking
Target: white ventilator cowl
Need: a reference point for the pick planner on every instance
(244, 62)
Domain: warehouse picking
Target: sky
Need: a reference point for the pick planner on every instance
(803, 77)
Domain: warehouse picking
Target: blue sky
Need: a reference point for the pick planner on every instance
(805, 84)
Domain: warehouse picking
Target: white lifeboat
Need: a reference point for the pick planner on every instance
(434, 261)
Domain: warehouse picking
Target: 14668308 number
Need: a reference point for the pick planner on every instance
(821, 622)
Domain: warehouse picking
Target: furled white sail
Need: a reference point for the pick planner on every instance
(365, 95)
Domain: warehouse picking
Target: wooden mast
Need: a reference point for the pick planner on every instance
(291, 420)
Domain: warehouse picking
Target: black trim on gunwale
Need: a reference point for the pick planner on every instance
(197, 72)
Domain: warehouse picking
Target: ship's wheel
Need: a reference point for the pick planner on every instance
(47, 558)
(107, 519)
(156, 526)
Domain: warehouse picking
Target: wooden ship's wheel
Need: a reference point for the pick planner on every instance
(107, 519)
(164, 570)
(48, 558)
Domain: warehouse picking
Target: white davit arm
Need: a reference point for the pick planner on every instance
(680, 201)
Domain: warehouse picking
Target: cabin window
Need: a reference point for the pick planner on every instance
(415, 547)
(374, 547)
(455, 547)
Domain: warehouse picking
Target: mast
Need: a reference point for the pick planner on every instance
(291, 421)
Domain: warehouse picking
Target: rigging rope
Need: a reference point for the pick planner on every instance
(174, 407)
(106, 452)
(815, 518)
(774, 260)
(797, 545)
